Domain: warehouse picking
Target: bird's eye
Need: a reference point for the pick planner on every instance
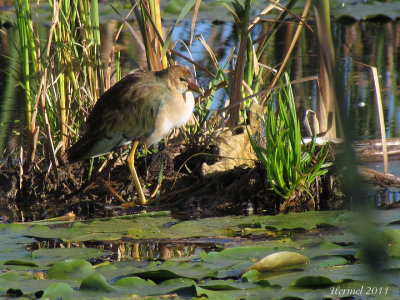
(182, 79)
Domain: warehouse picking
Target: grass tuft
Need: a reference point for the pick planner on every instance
(291, 166)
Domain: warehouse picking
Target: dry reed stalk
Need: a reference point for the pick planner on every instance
(381, 118)
(194, 20)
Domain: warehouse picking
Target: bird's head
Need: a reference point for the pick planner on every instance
(181, 79)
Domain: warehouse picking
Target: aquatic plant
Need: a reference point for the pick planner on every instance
(63, 81)
(291, 166)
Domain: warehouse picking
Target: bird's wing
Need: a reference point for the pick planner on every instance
(127, 111)
(129, 108)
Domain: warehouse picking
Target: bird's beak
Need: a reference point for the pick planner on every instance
(193, 87)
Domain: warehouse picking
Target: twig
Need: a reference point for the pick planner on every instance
(111, 190)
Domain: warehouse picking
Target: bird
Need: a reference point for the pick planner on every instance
(143, 107)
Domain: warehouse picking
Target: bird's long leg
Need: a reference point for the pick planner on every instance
(131, 165)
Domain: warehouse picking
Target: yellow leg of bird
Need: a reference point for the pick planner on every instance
(131, 165)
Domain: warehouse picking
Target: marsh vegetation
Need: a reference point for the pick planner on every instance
(246, 152)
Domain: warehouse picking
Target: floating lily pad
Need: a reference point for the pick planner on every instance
(74, 269)
(226, 285)
(258, 293)
(251, 276)
(19, 263)
(391, 238)
(51, 256)
(129, 282)
(174, 285)
(367, 10)
(96, 283)
(313, 282)
(173, 270)
(57, 290)
(219, 275)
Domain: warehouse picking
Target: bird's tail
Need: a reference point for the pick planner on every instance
(80, 150)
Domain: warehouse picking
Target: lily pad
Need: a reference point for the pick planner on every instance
(174, 270)
(147, 287)
(57, 290)
(19, 263)
(96, 283)
(74, 269)
(218, 275)
(51, 256)
(367, 10)
(313, 282)
(226, 285)
(251, 276)
(256, 294)
(173, 285)
(129, 282)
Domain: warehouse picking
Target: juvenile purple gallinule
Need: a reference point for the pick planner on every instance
(142, 107)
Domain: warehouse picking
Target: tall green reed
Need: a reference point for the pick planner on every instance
(9, 103)
(24, 30)
(61, 83)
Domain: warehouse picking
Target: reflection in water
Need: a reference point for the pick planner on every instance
(124, 251)
(376, 45)
(385, 196)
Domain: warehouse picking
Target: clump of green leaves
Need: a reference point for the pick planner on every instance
(291, 166)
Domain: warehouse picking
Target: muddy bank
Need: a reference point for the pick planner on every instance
(184, 190)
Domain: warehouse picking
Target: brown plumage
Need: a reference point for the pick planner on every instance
(142, 107)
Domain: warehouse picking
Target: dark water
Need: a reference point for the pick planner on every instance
(385, 196)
